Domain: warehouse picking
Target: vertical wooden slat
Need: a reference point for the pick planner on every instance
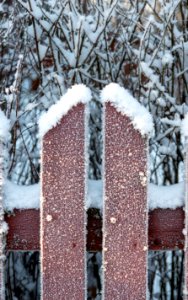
(2, 242)
(62, 209)
(125, 209)
(186, 227)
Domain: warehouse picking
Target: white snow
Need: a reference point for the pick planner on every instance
(20, 196)
(171, 196)
(4, 228)
(27, 197)
(122, 100)
(184, 126)
(95, 190)
(42, 51)
(154, 80)
(167, 59)
(4, 126)
(77, 94)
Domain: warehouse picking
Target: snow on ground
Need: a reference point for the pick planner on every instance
(129, 106)
(4, 126)
(78, 93)
(26, 197)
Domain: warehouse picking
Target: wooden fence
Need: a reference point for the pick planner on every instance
(64, 230)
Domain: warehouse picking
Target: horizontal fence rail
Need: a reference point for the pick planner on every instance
(165, 230)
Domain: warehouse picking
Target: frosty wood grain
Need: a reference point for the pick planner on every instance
(62, 211)
(125, 209)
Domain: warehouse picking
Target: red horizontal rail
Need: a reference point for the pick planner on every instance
(165, 230)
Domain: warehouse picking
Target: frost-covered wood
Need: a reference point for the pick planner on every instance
(24, 230)
(186, 224)
(125, 225)
(63, 208)
(165, 230)
(2, 295)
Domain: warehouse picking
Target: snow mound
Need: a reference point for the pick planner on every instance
(28, 197)
(171, 196)
(20, 196)
(167, 59)
(76, 94)
(126, 104)
(184, 126)
(4, 126)
(94, 198)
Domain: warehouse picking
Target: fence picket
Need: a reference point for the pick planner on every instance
(185, 230)
(62, 209)
(2, 242)
(125, 208)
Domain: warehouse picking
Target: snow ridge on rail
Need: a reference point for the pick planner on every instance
(172, 196)
(126, 104)
(78, 93)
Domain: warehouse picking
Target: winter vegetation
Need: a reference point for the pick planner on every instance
(49, 45)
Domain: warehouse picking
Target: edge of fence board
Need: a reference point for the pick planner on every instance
(165, 229)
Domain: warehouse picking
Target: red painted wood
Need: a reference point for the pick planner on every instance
(166, 229)
(23, 231)
(186, 227)
(125, 209)
(62, 209)
(94, 230)
(2, 240)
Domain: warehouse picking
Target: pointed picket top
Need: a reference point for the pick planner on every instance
(127, 105)
(125, 217)
(63, 201)
(78, 93)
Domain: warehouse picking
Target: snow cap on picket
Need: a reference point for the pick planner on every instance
(126, 104)
(78, 93)
(184, 127)
(4, 127)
